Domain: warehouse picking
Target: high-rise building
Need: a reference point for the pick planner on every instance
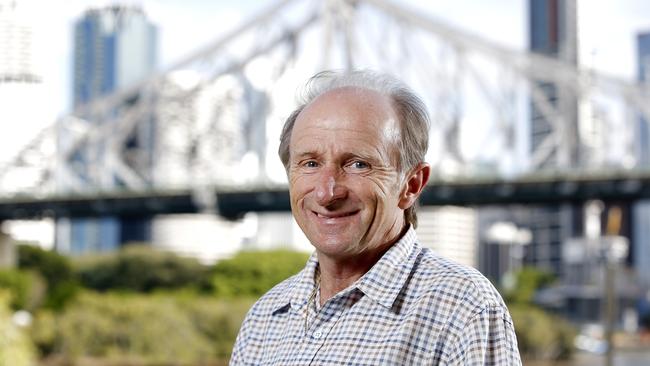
(114, 47)
(502, 242)
(22, 86)
(20, 81)
(450, 231)
(16, 46)
(641, 210)
(232, 153)
(643, 76)
(232, 110)
(553, 33)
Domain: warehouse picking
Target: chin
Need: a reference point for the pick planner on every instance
(334, 246)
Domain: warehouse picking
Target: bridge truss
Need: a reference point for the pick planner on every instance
(213, 119)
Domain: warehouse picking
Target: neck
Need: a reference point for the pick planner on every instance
(335, 277)
(337, 274)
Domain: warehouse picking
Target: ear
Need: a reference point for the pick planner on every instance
(416, 180)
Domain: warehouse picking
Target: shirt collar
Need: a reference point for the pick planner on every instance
(382, 283)
(301, 287)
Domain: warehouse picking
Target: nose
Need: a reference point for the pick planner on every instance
(329, 188)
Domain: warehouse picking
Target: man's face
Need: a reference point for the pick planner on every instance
(344, 185)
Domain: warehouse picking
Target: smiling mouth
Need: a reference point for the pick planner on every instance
(335, 215)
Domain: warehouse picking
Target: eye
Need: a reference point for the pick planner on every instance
(358, 164)
(310, 164)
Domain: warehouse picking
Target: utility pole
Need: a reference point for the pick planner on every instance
(609, 249)
(610, 309)
(613, 252)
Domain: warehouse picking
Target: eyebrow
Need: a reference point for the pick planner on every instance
(305, 154)
(374, 160)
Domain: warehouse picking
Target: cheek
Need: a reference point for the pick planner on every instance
(385, 189)
(299, 188)
(296, 183)
(384, 195)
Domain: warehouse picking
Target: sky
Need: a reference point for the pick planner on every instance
(608, 29)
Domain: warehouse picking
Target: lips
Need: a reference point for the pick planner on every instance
(335, 218)
(336, 215)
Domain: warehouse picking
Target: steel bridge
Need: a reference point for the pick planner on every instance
(217, 116)
(233, 203)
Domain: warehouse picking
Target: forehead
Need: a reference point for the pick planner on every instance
(347, 121)
(349, 108)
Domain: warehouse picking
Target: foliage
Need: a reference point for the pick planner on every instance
(252, 273)
(43, 331)
(26, 288)
(217, 320)
(143, 329)
(527, 282)
(542, 336)
(140, 268)
(15, 347)
(55, 269)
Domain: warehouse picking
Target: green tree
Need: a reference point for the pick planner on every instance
(55, 269)
(540, 335)
(26, 288)
(125, 328)
(141, 268)
(218, 320)
(142, 329)
(526, 282)
(252, 273)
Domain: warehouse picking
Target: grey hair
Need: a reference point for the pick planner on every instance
(412, 114)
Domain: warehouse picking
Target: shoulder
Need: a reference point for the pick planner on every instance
(475, 322)
(455, 283)
(276, 298)
(252, 333)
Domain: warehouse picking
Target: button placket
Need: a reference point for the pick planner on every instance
(324, 320)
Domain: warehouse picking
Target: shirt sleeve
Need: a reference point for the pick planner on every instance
(239, 349)
(236, 357)
(488, 338)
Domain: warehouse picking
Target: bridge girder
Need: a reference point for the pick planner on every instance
(231, 203)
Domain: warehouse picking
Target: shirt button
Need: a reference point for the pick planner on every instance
(317, 334)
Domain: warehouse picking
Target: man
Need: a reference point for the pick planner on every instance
(370, 295)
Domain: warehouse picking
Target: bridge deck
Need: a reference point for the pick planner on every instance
(540, 189)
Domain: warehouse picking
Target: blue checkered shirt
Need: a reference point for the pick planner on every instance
(411, 308)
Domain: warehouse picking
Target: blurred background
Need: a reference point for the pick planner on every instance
(143, 208)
